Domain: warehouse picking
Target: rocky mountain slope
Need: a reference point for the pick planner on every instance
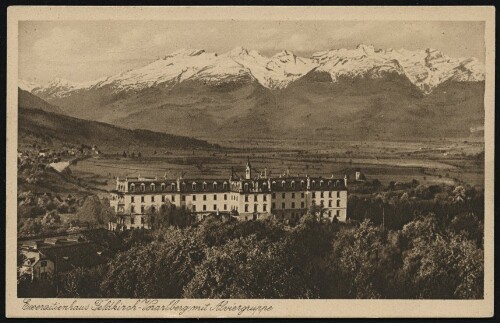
(343, 93)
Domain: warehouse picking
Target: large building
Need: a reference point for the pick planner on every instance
(245, 197)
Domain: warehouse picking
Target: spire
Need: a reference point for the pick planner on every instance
(248, 170)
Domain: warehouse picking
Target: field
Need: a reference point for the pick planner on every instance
(429, 162)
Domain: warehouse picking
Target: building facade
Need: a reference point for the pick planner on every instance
(245, 197)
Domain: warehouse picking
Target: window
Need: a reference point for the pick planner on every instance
(273, 205)
(255, 207)
(246, 198)
(264, 207)
(245, 187)
(142, 220)
(322, 195)
(338, 203)
(132, 209)
(132, 199)
(194, 208)
(225, 206)
(330, 194)
(302, 184)
(302, 195)
(338, 213)
(143, 187)
(194, 186)
(283, 195)
(183, 198)
(43, 263)
(338, 195)
(204, 197)
(163, 198)
(204, 186)
(314, 195)
(173, 198)
(246, 207)
(293, 184)
(162, 187)
(142, 209)
(283, 205)
(293, 205)
(255, 197)
(194, 197)
(132, 187)
(132, 220)
(153, 209)
(274, 195)
(302, 205)
(283, 184)
(264, 197)
(204, 207)
(152, 187)
(152, 198)
(225, 197)
(330, 203)
(215, 197)
(215, 186)
(293, 195)
(142, 199)
(224, 186)
(172, 186)
(215, 207)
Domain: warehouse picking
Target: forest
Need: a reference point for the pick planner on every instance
(424, 243)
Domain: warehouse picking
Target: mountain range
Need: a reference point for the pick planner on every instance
(356, 93)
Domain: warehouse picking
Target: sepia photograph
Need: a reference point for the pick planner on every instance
(185, 163)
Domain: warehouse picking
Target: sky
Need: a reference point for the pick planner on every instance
(87, 50)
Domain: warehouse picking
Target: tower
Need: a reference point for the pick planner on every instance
(248, 170)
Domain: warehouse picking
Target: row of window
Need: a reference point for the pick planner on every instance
(215, 185)
(321, 195)
(173, 186)
(264, 197)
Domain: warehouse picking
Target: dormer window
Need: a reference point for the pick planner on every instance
(246, 187)
(162, 187)
(293, 184)
(302, 184)
(321, 183)
(132, 187)
(194, 186)
(143, 187)
(313, 184)
(215, 186)
(283, 184)
(173, 186)
(204, 186)
(153, 187)
(224, 186)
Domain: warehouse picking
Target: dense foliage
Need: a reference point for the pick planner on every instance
(427, 258)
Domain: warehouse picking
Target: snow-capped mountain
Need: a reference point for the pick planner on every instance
(426, 69)
(27, 85)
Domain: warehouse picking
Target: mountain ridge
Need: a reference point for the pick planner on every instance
(426, 69)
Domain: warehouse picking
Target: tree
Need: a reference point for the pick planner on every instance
(154, 270)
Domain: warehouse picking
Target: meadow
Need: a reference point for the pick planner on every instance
(458, 161)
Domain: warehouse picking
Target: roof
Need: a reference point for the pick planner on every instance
(67, 257)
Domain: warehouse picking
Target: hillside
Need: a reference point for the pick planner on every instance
(361, 93)
(52, 127)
